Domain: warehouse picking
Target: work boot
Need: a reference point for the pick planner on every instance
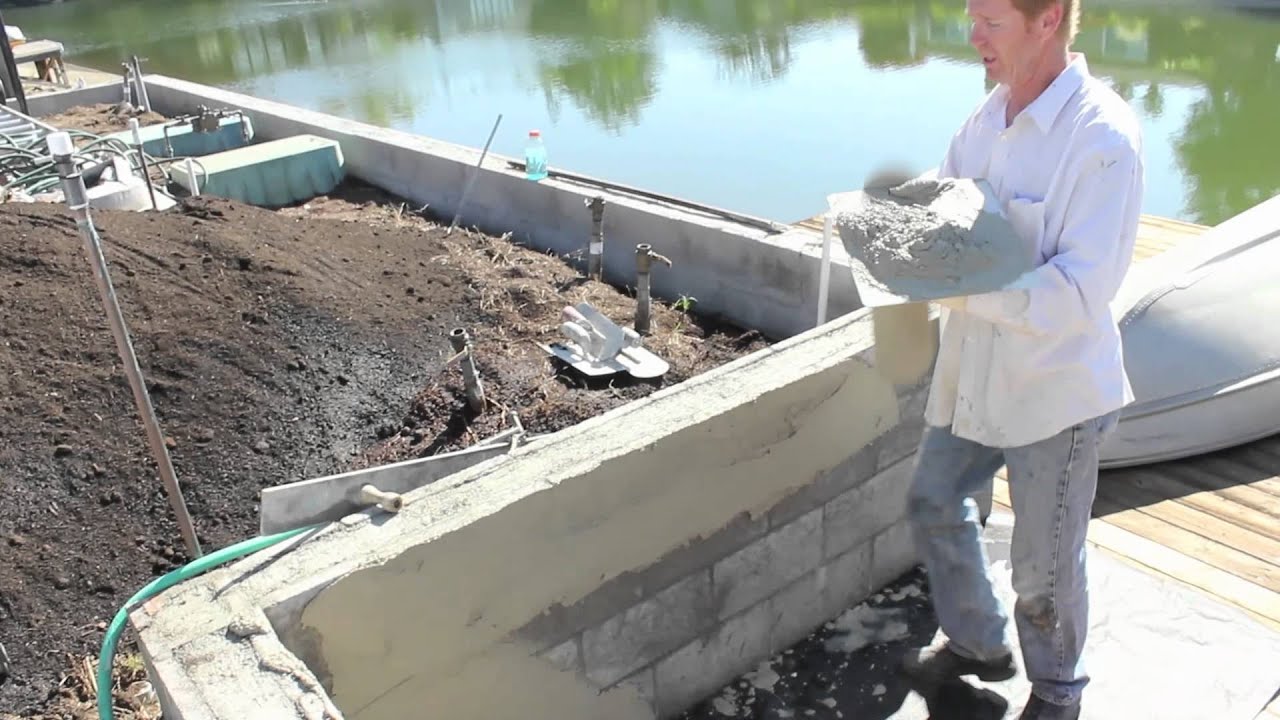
(1038, 709)
(937, 665)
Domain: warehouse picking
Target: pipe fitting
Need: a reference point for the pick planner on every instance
(460, 339)
(645, 256)
(595, 250)
(389, 501)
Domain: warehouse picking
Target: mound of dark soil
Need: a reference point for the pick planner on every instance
(277, 346)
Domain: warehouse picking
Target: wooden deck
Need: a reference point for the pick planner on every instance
(1210, 522)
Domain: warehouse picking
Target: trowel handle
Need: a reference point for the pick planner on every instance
(578, 335)
(571, 314)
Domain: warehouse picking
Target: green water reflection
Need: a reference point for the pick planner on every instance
(763, 106)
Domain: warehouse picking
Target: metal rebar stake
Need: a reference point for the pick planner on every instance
(61, 149)
(595, 251)
(460, 339)
(471, 179)
(142, 161)
(140, 83)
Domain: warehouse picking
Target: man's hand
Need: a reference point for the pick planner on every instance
(922, 190)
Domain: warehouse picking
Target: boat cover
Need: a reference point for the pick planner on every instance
(1201, 331)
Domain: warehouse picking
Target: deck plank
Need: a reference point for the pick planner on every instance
(1168, 484)
(1258, 602)
(1210, 477)
(1116, 495)
(1166, 527)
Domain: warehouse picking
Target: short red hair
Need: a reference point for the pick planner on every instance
(1032, 9)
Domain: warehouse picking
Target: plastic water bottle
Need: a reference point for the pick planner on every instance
(535, 157)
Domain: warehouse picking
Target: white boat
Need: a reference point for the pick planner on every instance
(1201, 331)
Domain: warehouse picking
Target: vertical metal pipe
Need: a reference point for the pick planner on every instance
(644, 272)
(644, 263)
(824, 272)
(595, 251)
(471, 179)
(191, 177)
(61, 149)
(126, 85)
(461, 342)
(141, 84)
(142, 161)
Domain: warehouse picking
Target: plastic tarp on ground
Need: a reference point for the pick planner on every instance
(1157, 650)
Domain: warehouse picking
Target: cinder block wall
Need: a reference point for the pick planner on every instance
(624, 567)
(669, 548)
(689, 624)
(760, 275)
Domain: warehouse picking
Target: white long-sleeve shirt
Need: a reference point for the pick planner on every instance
(1023, 364)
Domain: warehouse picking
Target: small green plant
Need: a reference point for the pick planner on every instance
(685, 306)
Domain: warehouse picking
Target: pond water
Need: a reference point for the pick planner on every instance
(759, 106)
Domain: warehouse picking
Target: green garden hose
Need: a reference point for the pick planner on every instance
(40, 174)
(107, 657)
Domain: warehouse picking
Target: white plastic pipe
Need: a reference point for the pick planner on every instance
(824, 274)
(389, 501)
(59, 143)
(191, 175)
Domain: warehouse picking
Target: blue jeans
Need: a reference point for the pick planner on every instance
(1052, 484)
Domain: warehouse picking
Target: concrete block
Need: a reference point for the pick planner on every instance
(913, 398)
(768, 564)
(848, 580)
(704, 666)
(641, 634)
(901, 441)
(797, 610)
(856, 469)
(559, 622)
(643, 683)
(567, 656)
(893, 554)
(865, 511)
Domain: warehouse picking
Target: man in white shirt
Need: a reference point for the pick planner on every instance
(1032, 377)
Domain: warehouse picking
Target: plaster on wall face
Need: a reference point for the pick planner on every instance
(506, 683)
(906, 342)
(436, 616)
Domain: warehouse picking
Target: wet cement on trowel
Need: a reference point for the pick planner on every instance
(1158, 650)
(926, 239)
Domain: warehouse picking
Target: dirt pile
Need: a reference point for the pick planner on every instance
(101, 119)
(277, 346)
